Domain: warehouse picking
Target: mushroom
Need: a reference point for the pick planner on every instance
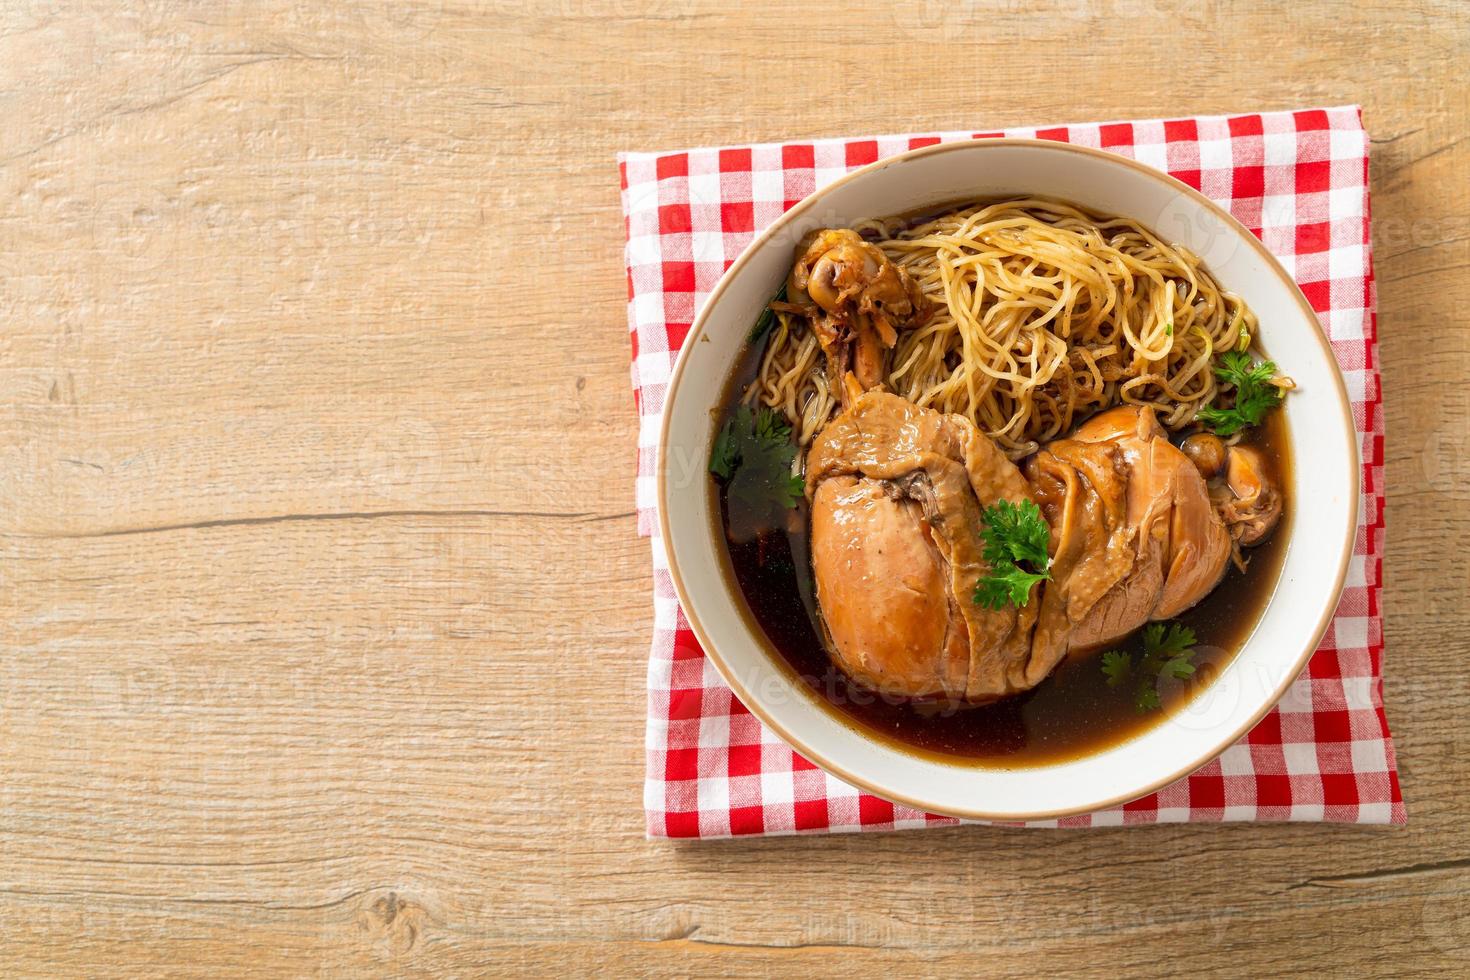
(1207, 452)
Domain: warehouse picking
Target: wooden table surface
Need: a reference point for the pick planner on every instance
(323, 617)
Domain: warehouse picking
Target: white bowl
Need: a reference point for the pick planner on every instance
(1324, 484)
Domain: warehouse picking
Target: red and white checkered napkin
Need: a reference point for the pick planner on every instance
(1299, 180)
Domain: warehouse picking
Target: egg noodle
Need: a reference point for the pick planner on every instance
(1044, 314)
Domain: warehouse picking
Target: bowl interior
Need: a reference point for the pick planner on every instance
(1324, 485)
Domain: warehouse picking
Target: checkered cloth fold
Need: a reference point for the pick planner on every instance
(1299, 181)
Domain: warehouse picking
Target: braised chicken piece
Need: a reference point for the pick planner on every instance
(856, 301)
(1249, 503)
(896, 493)
(1170, 549)
(885, 596)
(1242, 486)
(1084, 493)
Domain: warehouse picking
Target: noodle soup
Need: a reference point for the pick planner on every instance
(1028, 325)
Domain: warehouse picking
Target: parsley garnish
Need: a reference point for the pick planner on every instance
(1255, 395)
(1116, 666)
(753, 454)
(1167, 652)
(767, 319)
(1013, 534)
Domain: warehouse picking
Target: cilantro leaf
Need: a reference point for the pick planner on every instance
(724, 457)
(754, 455)
(1255, 395)
(1012, 534)
(794, 491)
(767, 319)
(1146, 698)
(1237, 368)
(1117, 666)
(1015, 532)
(1178, 668)
(1167, 653)
(1161, 643)
(1007, 583)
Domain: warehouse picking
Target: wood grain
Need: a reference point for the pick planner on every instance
(323, 618)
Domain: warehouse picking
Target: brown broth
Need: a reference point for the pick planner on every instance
(1072, 713)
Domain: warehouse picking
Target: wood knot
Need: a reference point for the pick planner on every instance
(392, 923)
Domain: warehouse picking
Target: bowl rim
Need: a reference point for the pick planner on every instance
(697, 328)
